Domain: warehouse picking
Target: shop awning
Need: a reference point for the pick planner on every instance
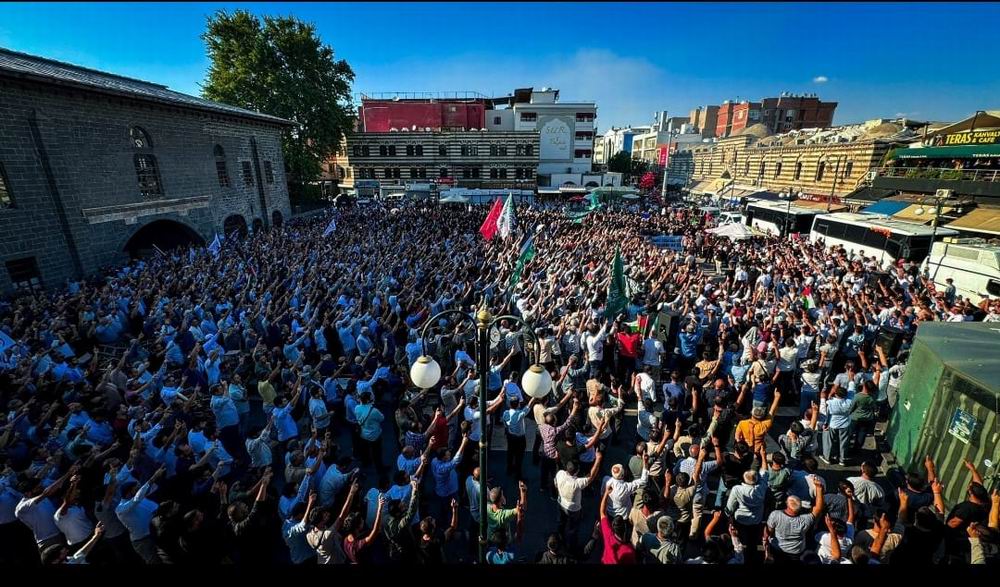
(963, 152)
(985, 220)
(909, 213)
(887, 207)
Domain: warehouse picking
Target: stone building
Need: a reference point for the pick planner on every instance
(96, 167)
(473, 159)
(819, 163)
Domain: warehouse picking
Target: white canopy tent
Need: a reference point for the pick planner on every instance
(736, 232)
(454, 199)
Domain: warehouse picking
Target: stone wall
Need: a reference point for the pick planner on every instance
(70, 166)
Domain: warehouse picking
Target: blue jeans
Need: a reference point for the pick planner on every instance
(809, 395)
(859, 432)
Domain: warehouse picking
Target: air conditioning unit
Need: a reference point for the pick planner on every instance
(944, 194)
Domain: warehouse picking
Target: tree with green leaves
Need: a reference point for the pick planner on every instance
(620, 162)
(280, 66)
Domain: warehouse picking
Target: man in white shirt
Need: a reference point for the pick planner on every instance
(37, 512)
(593, 342)
(652, 351)
(620, 500)
(570, 490)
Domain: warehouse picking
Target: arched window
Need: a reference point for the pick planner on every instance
(820, 170)
(220, 166)
(148, 175)
(798, 171)
(146, 171)
(777, 169)
(140, 138)
(848, 169)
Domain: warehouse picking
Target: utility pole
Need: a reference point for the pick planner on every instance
(666, 166)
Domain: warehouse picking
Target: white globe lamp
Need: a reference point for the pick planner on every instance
(425, 372)
(536, 382)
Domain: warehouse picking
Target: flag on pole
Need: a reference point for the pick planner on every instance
(639, 324)
(617, 301)
(216, 246)
(505, 224)
(527, 254)
(489, 227)
(330, 227)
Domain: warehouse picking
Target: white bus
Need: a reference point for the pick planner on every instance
(882, 237)
(972, 263)
(779, 218)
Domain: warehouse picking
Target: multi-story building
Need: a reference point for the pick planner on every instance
(819, 164)
(336, 175)
(791, 112)
(616, 140)
(95, 167)
(663, 134)
(736, 116)
(566, 131)
(781, 114)
(474, 159)
(705, 119)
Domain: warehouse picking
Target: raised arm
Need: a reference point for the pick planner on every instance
(817, 508)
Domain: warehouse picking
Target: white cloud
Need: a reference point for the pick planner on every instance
(820, 79)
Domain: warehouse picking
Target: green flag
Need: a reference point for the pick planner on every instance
(617, 301)
(527, 254)
(577, 216)
(594, 203)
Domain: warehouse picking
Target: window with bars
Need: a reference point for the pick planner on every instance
(529, 116)
(6, 198)
(268, 172)
(24, 274)
(442, 150)
(148, 176)
(220, 166)
(247, 173)
(420, 150)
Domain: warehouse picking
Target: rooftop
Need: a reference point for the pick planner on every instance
(40, 69)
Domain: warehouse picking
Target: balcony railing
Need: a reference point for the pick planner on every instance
(985, 175)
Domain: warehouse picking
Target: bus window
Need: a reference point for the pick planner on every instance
(855, 234)
(822, 227)
(836, 230)
(993, 287)
(893, 246)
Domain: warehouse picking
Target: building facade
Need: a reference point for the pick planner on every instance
(736, 116)
(566, 130)
(394, 113)
(97, 167)
(472, 159)
(819, 165)
(616, 140)
(705, 119)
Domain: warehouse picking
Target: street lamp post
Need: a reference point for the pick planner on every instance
(536, 382)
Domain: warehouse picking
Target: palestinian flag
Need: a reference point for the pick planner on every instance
(807, 299)
(489, 227)
(639, 324)
(527, 254)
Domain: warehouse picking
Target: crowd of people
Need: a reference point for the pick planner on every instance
(252, 404)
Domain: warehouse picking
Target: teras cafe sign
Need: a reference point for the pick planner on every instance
(976, 137)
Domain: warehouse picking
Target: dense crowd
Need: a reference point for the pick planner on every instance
(253, 405)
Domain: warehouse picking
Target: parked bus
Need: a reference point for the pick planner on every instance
(779, 218)
(972, 263)
(885, 238)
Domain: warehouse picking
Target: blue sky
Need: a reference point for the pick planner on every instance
(925, 61)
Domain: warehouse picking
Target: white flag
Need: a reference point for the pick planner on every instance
(506, 222)
(215, 247)
(330, 227)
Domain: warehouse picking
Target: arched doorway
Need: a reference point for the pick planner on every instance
(161, 234)
(235, 223)
(591, 184)
(276, 218)
(258, 225)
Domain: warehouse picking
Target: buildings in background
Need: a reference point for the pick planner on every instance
(705, 119)
(614, 141)
(95, 167)
(566, 131)
(665, 133)
(780, 114)
(525, 140)
(818, 164)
